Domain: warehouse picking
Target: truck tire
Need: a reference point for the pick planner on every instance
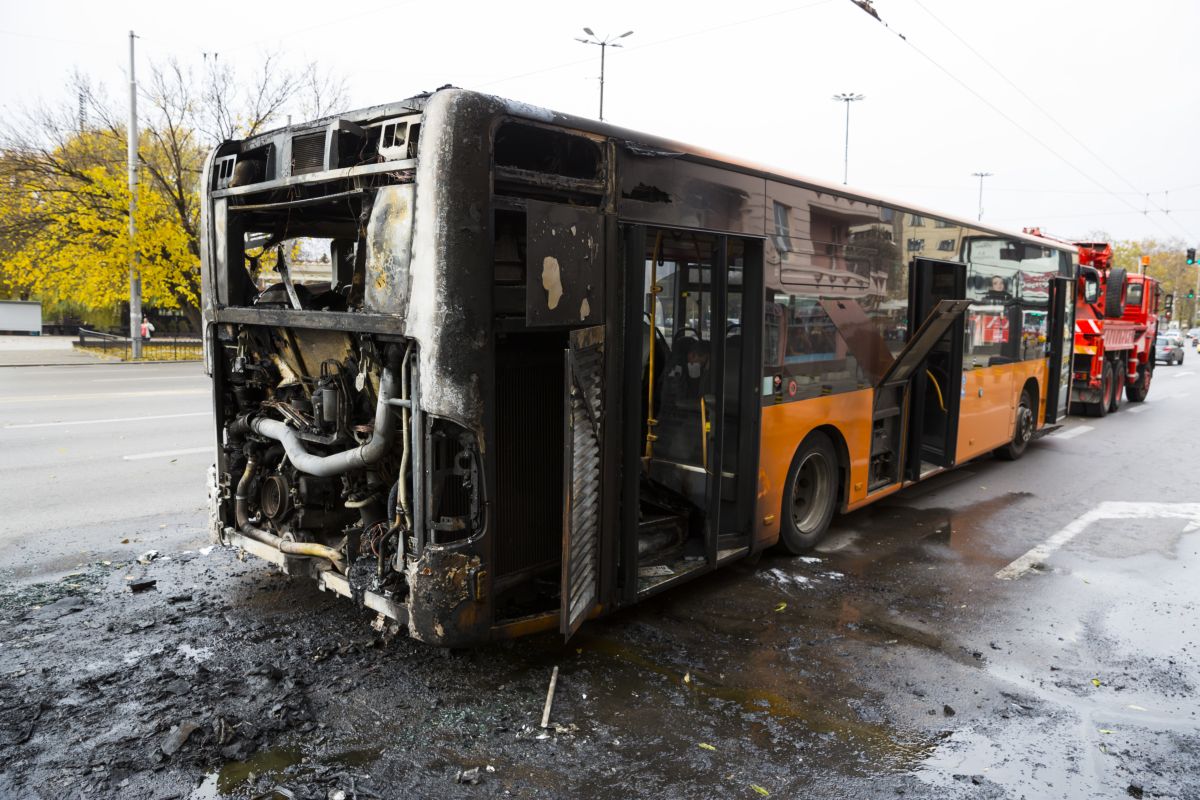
(1119, 380)
(1136, 392)
(1023, 429)
(1114, 294)
(1100, 409)
(809, 495)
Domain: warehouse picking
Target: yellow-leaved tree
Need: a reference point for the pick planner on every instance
(64, 195)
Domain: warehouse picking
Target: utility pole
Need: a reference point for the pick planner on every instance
(847, 98)
(604, 44)
(135, 279)
(981, 176)
(1196, 299)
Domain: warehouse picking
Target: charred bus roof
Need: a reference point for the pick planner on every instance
(373, 139)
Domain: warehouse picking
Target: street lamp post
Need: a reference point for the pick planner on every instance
(135, 278)
(604, 44)
(847, 98)
(981, 176)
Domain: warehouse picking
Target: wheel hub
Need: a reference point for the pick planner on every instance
(811, 491)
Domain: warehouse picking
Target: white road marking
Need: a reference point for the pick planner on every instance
(1109, 509)
(1071, 433)
(150, 378)
(166, 453)
(53, 398)
(1138, 409)
(105, 421)
(1183, 374)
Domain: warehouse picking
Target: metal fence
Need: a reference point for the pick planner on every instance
(172, 348)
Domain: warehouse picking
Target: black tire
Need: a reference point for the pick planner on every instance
(1136, 392)
(1114, 294)
(1023, 429)
(1119, 379)
(1100, 409)
(809, 495)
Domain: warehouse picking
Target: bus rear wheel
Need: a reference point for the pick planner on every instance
(810, 494)
(1022, 430)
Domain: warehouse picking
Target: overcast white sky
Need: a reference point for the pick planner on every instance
(752, 78)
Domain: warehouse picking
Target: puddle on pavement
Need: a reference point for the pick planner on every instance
(273, 764)
(886, 532)
(763, 685)
(968, 757)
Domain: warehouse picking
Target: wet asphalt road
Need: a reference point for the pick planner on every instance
(891, 662)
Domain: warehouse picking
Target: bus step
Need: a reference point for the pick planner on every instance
(1046, 430)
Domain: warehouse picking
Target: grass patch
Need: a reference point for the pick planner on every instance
(164, 352)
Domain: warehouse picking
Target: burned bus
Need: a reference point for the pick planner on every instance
(487, 369)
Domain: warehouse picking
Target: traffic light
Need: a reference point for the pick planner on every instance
(1191, 294)
(1191, 255)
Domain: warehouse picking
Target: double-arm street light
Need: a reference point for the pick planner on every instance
(847, 98)
(604, 44)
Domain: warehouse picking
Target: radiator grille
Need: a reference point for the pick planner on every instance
(529, 456)
(308, 153)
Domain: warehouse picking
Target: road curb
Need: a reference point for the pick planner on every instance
(106, 363)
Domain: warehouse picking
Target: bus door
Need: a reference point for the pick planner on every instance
(937, 384)
(693, 314)
(1060, 341)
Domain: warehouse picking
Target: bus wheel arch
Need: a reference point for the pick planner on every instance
(814, 489)
(1024, 424)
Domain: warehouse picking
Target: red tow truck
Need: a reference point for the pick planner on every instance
(1116, 323)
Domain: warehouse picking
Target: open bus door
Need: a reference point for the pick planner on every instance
(1060, 342)
(689, 440)
(936, 363)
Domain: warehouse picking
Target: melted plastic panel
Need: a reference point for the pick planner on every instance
(564, 275)
(681, 193)
(389, 250)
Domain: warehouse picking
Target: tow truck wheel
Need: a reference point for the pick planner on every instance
(1100, 408)
(1114, 402)
(810, 494)
(1023, 430)
(1136, 391)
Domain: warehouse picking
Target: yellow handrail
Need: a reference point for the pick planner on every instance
(938, 389)
(655, 288)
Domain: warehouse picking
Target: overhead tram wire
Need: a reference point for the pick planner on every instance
(866, 6)
(656, 42)
(1047, 114)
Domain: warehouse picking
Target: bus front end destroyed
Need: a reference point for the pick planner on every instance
(328, 464)
(488, 370)
(318, 429)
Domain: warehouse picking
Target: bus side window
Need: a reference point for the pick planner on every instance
(805, 349)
